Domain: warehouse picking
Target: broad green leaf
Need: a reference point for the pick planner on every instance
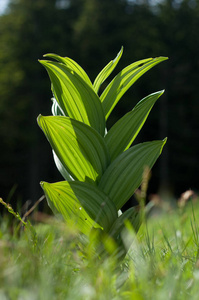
(61, 168)
(124, 174)
(124, 80)
(75, 97)
(123, 133)
(117, 232)
(81, 149)
(108, 69)
(71, 64)
(84, 203)
(133, 215)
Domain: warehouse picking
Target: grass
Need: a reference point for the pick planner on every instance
(52, 261)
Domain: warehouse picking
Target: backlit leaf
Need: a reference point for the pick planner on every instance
(124, 80)
(71, 64)
(84, 203)
(75, 97)
(108, 69)
(123, 133)
(81, 149)
(61, 168)
(124, 174)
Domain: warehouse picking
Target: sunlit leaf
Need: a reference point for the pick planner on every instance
(102, 172)
(84, 203)
(108, 69)
(123, 133)
(81, 149)
(71, 64)
(124, 80)
(124, 175)
(75, 97)
(61, 168)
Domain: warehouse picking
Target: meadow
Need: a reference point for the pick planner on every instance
(52, 260)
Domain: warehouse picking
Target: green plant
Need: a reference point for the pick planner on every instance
(12, 212)
(100, 169)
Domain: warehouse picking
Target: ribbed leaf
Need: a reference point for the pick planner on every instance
(123, 80)
(117, 231)
(82, 202)
(61, 168)
(81, 149)
(71, 64)
(108, 69)
(122, 134)
(124, 175)
(75, 97)
(133, 215)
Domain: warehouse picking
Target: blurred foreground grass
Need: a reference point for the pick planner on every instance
(51, 261)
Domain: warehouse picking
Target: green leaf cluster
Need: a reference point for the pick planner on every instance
(100, 169)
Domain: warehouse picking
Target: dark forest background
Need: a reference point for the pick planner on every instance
(92, 32)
